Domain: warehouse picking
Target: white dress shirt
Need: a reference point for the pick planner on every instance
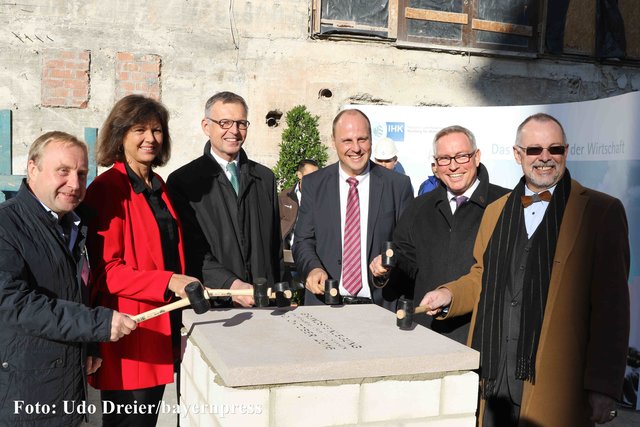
(452, 197)
(223, 164)
(534, 213)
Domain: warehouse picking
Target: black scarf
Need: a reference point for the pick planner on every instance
(487, 335)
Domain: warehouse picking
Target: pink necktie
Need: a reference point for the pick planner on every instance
(351, 272)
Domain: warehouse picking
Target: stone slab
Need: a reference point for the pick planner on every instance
(317, 343)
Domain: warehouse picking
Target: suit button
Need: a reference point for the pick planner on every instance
(5, 365)
(58, 362)
(514, 303)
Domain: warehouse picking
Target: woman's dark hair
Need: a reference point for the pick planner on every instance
(128, 112)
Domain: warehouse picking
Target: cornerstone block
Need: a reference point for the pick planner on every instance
(318, 343)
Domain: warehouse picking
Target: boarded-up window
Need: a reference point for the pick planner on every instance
(598, 29)
(484, 24)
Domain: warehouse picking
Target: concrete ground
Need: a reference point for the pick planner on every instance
(164, 420)
(626, 417)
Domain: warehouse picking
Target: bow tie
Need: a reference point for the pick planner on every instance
(528, 200)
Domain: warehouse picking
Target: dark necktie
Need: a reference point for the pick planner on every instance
(528, 200)
(351, 270)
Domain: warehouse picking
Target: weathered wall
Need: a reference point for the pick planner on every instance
(261, 50)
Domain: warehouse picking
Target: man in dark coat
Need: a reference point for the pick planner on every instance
(321, 249)
(434, 237)
(228, 205)
(43, 277)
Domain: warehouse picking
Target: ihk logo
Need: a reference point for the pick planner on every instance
(378, 130)
(395, 131)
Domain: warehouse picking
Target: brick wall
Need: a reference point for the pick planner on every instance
(65, 78)
(137, 73)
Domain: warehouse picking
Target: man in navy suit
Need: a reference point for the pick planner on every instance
(320, 231)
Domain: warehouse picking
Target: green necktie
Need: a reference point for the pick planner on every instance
(233, 171)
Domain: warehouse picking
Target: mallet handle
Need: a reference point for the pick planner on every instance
(420, 309)
(161, 310)
(216, 293)
(401, 314)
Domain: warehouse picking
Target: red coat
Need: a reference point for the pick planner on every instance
(127, 275)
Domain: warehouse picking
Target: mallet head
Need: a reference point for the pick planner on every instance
(199, 302)
(331, 292)
(260, 293)
(283, 294)
(404, 313)
(388, 255)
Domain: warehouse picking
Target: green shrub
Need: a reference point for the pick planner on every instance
(300, 140)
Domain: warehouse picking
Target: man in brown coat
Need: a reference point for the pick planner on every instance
(548, 292)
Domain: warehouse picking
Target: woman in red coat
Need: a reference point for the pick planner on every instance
(136, 254)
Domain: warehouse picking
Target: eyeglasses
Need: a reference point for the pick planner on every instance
(228, 124)
(459, 158)
(554, 150)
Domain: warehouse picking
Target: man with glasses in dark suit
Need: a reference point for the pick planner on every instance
(434, 237)
(228, 205)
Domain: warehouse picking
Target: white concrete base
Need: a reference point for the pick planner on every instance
(435, 400)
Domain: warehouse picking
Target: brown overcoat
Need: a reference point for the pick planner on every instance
(585, 330)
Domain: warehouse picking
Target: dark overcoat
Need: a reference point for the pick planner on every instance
(228, 236)
(434, 246)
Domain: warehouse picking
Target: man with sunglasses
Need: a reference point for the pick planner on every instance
(228, 205)
(548, 292)
(434, 237)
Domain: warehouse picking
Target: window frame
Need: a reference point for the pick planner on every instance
(397, 36)
(317, 22)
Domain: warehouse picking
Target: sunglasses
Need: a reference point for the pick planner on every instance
(554, 150)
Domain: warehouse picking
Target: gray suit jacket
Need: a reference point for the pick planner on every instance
(318, 234)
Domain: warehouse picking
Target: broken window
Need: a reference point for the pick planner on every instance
(356, 17)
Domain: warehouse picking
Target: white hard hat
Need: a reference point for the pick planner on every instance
(385, 149)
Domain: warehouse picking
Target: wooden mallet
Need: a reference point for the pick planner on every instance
(261, 293)
(331, 292)
(200, 302)
(283, 294)
(195, 298)
(387, 254)
(406, 311)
